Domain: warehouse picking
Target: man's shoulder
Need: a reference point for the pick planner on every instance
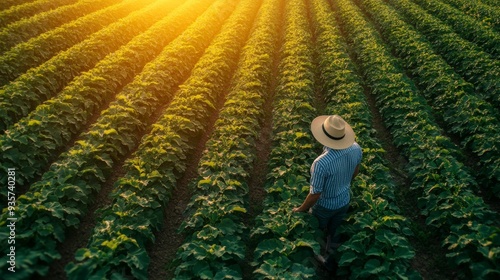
(356, 146)
(320, 158)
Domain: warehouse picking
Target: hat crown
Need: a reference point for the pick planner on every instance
(332, 131)
(334, 126)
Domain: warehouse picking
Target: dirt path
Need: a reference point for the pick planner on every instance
(167, 240)
(263, 149)
(79, 237)
(55, 155)
(430, 260)
(472, 162)
(260, 169)
(257, 179)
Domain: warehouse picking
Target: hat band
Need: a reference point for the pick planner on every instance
(330, 136)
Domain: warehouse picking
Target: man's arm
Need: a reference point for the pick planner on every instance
(356, 171)
(308, 202)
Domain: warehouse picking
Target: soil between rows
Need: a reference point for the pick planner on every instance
(430, 260)
(78, 237)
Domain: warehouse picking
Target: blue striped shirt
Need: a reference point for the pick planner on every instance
(331, 175)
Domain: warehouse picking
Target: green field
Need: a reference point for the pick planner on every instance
(165, 139)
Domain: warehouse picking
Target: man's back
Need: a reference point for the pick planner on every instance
(331, 175)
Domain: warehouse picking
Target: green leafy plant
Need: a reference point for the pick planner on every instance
(216, 235)
(286, 241)
(74, 179)
(45, 65)
(32, 142)
(162, 155)
(444, 182)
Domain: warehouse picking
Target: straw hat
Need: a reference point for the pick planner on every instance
(333, 132)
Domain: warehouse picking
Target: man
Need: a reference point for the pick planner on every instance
(331, 176)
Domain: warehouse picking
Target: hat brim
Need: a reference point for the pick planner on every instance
(321, 137)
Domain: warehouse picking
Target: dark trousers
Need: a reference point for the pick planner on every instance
(329, 221)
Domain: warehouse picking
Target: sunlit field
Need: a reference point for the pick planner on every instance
(164, 139)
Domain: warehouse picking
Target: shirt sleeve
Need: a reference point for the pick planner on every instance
(317, 178)
(360, 155)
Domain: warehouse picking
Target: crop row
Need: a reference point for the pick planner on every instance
(29, 90)
(493, 3)
(466, 26)
(32, 142)
(29, 9)
(61, 197)
(47, 55)
(476, 66)
(463, 219)
(214, 246)
(465, 114)
(288, 240)
(7, 4)
(487, 13)
(378, 243)
(30, 27)
(118, 243)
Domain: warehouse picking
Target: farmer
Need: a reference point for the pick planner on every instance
(331, 176)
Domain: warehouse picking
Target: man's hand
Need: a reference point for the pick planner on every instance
(299, 209)
(308, 203)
